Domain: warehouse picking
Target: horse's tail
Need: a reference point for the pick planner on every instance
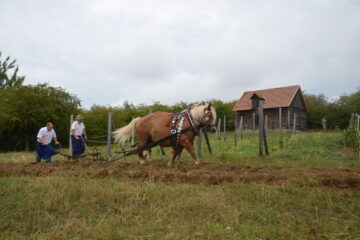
(123, 134)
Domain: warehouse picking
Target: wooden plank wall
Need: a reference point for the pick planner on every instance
(273, 119)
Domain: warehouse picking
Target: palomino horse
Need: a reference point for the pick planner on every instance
(158, 125)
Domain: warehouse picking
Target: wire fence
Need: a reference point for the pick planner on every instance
(352, 133)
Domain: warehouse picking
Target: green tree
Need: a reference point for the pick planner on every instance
(336, 112)
(351, 102)
(6, 78)
(317, 109)
(25, 109)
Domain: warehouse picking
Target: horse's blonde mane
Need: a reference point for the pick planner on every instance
(198, 113)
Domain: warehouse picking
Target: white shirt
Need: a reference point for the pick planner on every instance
(78, 128)
(46, 135)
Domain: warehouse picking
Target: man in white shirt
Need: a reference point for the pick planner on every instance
(78, 134)
(43, 143)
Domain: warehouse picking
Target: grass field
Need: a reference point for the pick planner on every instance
(65, 201)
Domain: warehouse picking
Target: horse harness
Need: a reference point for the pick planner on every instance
(176, 129)
(177, 122)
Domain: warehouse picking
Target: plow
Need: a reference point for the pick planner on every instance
(94, 156)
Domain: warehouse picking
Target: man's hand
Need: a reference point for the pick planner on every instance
(85, 137)
(57, 143)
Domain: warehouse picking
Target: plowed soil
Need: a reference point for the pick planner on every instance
(206, 173)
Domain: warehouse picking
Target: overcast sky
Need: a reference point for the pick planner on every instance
(108, 51)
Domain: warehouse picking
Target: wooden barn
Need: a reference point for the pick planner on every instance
(285, 105)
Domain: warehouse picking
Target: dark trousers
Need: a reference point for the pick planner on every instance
(38, 159)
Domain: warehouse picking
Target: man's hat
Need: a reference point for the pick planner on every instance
(79, 117)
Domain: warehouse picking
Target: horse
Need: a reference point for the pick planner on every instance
(158, 125)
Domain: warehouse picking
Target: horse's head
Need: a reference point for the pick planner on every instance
(209, 121)
(205, 115)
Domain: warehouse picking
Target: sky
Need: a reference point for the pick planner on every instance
(110, 51)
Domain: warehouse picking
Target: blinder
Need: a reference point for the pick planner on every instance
(207, 125)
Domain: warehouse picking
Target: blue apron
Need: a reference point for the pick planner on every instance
(78, 146)
(45, 151)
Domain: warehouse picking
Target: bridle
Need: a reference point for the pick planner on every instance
(208, 114)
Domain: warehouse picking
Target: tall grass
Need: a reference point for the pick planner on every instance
(68, 208)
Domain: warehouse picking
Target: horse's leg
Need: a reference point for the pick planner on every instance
(176, 153)
(141, 154)
(147, 154)
(148, 157)
(141, 157)
(178, 157)
(190, 148)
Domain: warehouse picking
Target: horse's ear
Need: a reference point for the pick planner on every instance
(209, 107)
(199, 104)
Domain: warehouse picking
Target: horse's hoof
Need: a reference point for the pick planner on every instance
(197, 162)
(142, 162)
(169, 164)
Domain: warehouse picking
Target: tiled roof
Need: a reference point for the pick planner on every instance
(274, 98)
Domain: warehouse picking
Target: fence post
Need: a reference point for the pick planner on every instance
(241, 127)
(265, 143)
(70, 145)
(294, 126)
(261, 127)
(236, 129)
(253, 123)
(108, 149)
(266, 122)
(199, 144)
(288, 121)
(218, 130)
(280, 126)
(224, 128)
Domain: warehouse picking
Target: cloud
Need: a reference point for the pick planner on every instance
(143, 51)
